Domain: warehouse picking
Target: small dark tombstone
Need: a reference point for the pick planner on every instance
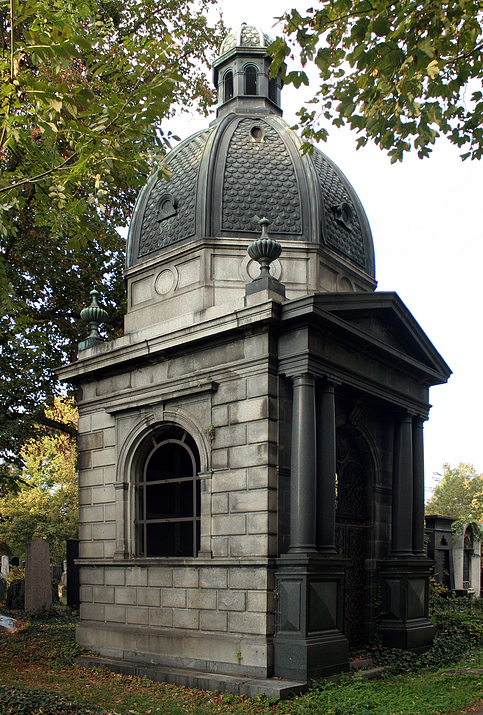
(15, 562)
(38, 585)
(72, 573)
(56, 572)
(16, 595)
(3, 589)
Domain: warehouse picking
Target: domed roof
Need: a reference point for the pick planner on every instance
(245, 36)
(245, 166)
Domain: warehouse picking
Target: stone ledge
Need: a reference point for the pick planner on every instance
(250, 687)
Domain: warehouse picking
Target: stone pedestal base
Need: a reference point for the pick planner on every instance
(308, 643)
(404, 594)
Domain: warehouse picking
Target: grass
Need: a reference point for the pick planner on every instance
(38, 677)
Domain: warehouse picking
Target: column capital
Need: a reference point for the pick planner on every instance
(305, 378)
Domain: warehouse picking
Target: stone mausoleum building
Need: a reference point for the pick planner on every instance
(251, 450)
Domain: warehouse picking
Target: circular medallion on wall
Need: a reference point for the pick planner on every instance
(164, 282)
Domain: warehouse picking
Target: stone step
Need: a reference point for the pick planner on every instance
(236, 685)
(370, 672)
(360, 664)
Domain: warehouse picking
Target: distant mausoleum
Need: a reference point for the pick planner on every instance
(251, 450)
(456, 556)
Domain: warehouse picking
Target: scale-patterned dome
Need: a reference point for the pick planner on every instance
(245, 36)
(248, 164)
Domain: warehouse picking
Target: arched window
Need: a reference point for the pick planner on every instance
(169, 493)
(251, 80)
(228, 86)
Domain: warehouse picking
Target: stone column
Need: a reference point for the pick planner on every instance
(418, 487)
(326, 469)
(303, 467)
(402, 488)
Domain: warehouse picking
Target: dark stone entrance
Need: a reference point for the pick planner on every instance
(351, 520)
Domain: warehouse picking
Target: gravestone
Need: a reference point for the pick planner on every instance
(56, 572)
(15, 561)
(38, 591)
(5, 570)
(15, 600)
(3, 589)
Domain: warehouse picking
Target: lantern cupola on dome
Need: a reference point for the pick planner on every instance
(241, 74)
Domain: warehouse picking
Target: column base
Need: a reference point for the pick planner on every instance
(405, 607)
(415, 636)
(312, 658)
(308, 643)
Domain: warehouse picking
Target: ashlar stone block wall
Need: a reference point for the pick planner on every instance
(197, 612)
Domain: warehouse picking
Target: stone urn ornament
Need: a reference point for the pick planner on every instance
(265, 250)
(93, 315)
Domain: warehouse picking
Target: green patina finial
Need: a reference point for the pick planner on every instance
(93, 315)
(264, 249)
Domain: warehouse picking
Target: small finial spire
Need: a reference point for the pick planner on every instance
(93, 315)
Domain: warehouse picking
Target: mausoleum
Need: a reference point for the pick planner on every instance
(251, 450)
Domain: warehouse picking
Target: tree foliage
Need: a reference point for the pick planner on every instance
(400, 73)
(46, 504)
(86, 86)
(459, 494)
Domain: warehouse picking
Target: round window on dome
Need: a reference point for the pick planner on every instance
(257, 134)
(167, 207)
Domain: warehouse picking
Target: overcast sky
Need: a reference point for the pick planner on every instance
(426, 221)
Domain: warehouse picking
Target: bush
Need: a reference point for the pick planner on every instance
(459, 627)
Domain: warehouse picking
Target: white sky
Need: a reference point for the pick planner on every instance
(426, 221)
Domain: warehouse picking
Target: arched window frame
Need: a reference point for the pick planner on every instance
(151, 525)
(251, 80)
(228, 85)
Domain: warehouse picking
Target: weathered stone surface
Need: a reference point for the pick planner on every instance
(213, 577)
(231, 601)
(38, 588)
(185, 577)
(92, 440)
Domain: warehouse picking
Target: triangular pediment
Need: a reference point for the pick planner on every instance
(379, 323)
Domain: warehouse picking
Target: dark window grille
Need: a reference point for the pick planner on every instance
(169, 495)
(251, 80)
(228, 86)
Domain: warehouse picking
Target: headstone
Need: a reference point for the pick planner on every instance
(5, 570)
(72, 573)
(22, 565)
(15, 600)
(3, 589)
(38, 590)
(15, 561)
(56, 572)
